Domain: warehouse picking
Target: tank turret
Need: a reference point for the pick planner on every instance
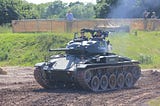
(88, 63)
(93, 46)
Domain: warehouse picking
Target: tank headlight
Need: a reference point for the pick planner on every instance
(45, 68)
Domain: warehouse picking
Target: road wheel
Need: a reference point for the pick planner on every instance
(112, 81)
(95, 83)
(129, 80)
(120, 80)
(104, 82)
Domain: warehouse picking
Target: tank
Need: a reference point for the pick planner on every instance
(88, 64)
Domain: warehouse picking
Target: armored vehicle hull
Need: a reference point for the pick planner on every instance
(88, 64)
(99, 74)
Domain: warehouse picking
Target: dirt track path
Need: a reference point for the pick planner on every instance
(18, 88)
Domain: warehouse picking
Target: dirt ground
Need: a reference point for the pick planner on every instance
(19, 88)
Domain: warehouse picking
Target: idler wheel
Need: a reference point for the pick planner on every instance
(95, 83)
(112, 81)
(136, 73)
(120, 80)
(104, 82)
(129, 80)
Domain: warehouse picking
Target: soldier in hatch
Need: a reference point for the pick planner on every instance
(83, 35)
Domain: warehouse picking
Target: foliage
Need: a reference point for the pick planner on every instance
(27, 11)
(7, 11)
(30, 48)
(125, 8)
(149, 5)
(154, 102)
(6, 28)
(16, 9)
(56, 10)
(138, 47)
(145, 59)
(103, 7)
(21, 9)
(82, 11)
(27, 49)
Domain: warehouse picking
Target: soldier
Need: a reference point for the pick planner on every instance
(83, 35)
(70, 18)
(98, 34)
(154, 17)
(145, 16)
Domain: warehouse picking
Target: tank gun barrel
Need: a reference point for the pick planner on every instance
(69, 50)
(60, 49)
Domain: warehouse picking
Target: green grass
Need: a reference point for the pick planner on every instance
(155, 102)
(144, 47)
(5, 28)
(29, 48)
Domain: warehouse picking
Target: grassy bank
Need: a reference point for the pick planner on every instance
(155, 102)
(5, 28)
(29, 48)
(143, 46)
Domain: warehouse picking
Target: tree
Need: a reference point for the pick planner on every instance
(7, 11)
(26, 10)
(16, 9)
(125, 8)
(150, 6)
(103, 7)
(41, 9)
(56, 9)
(82, 11)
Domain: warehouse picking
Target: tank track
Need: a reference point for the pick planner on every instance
(96, 79)
(41, 79)
(106, 78)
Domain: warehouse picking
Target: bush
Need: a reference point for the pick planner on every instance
(6, 28)
(145, 59)
(3, 56)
